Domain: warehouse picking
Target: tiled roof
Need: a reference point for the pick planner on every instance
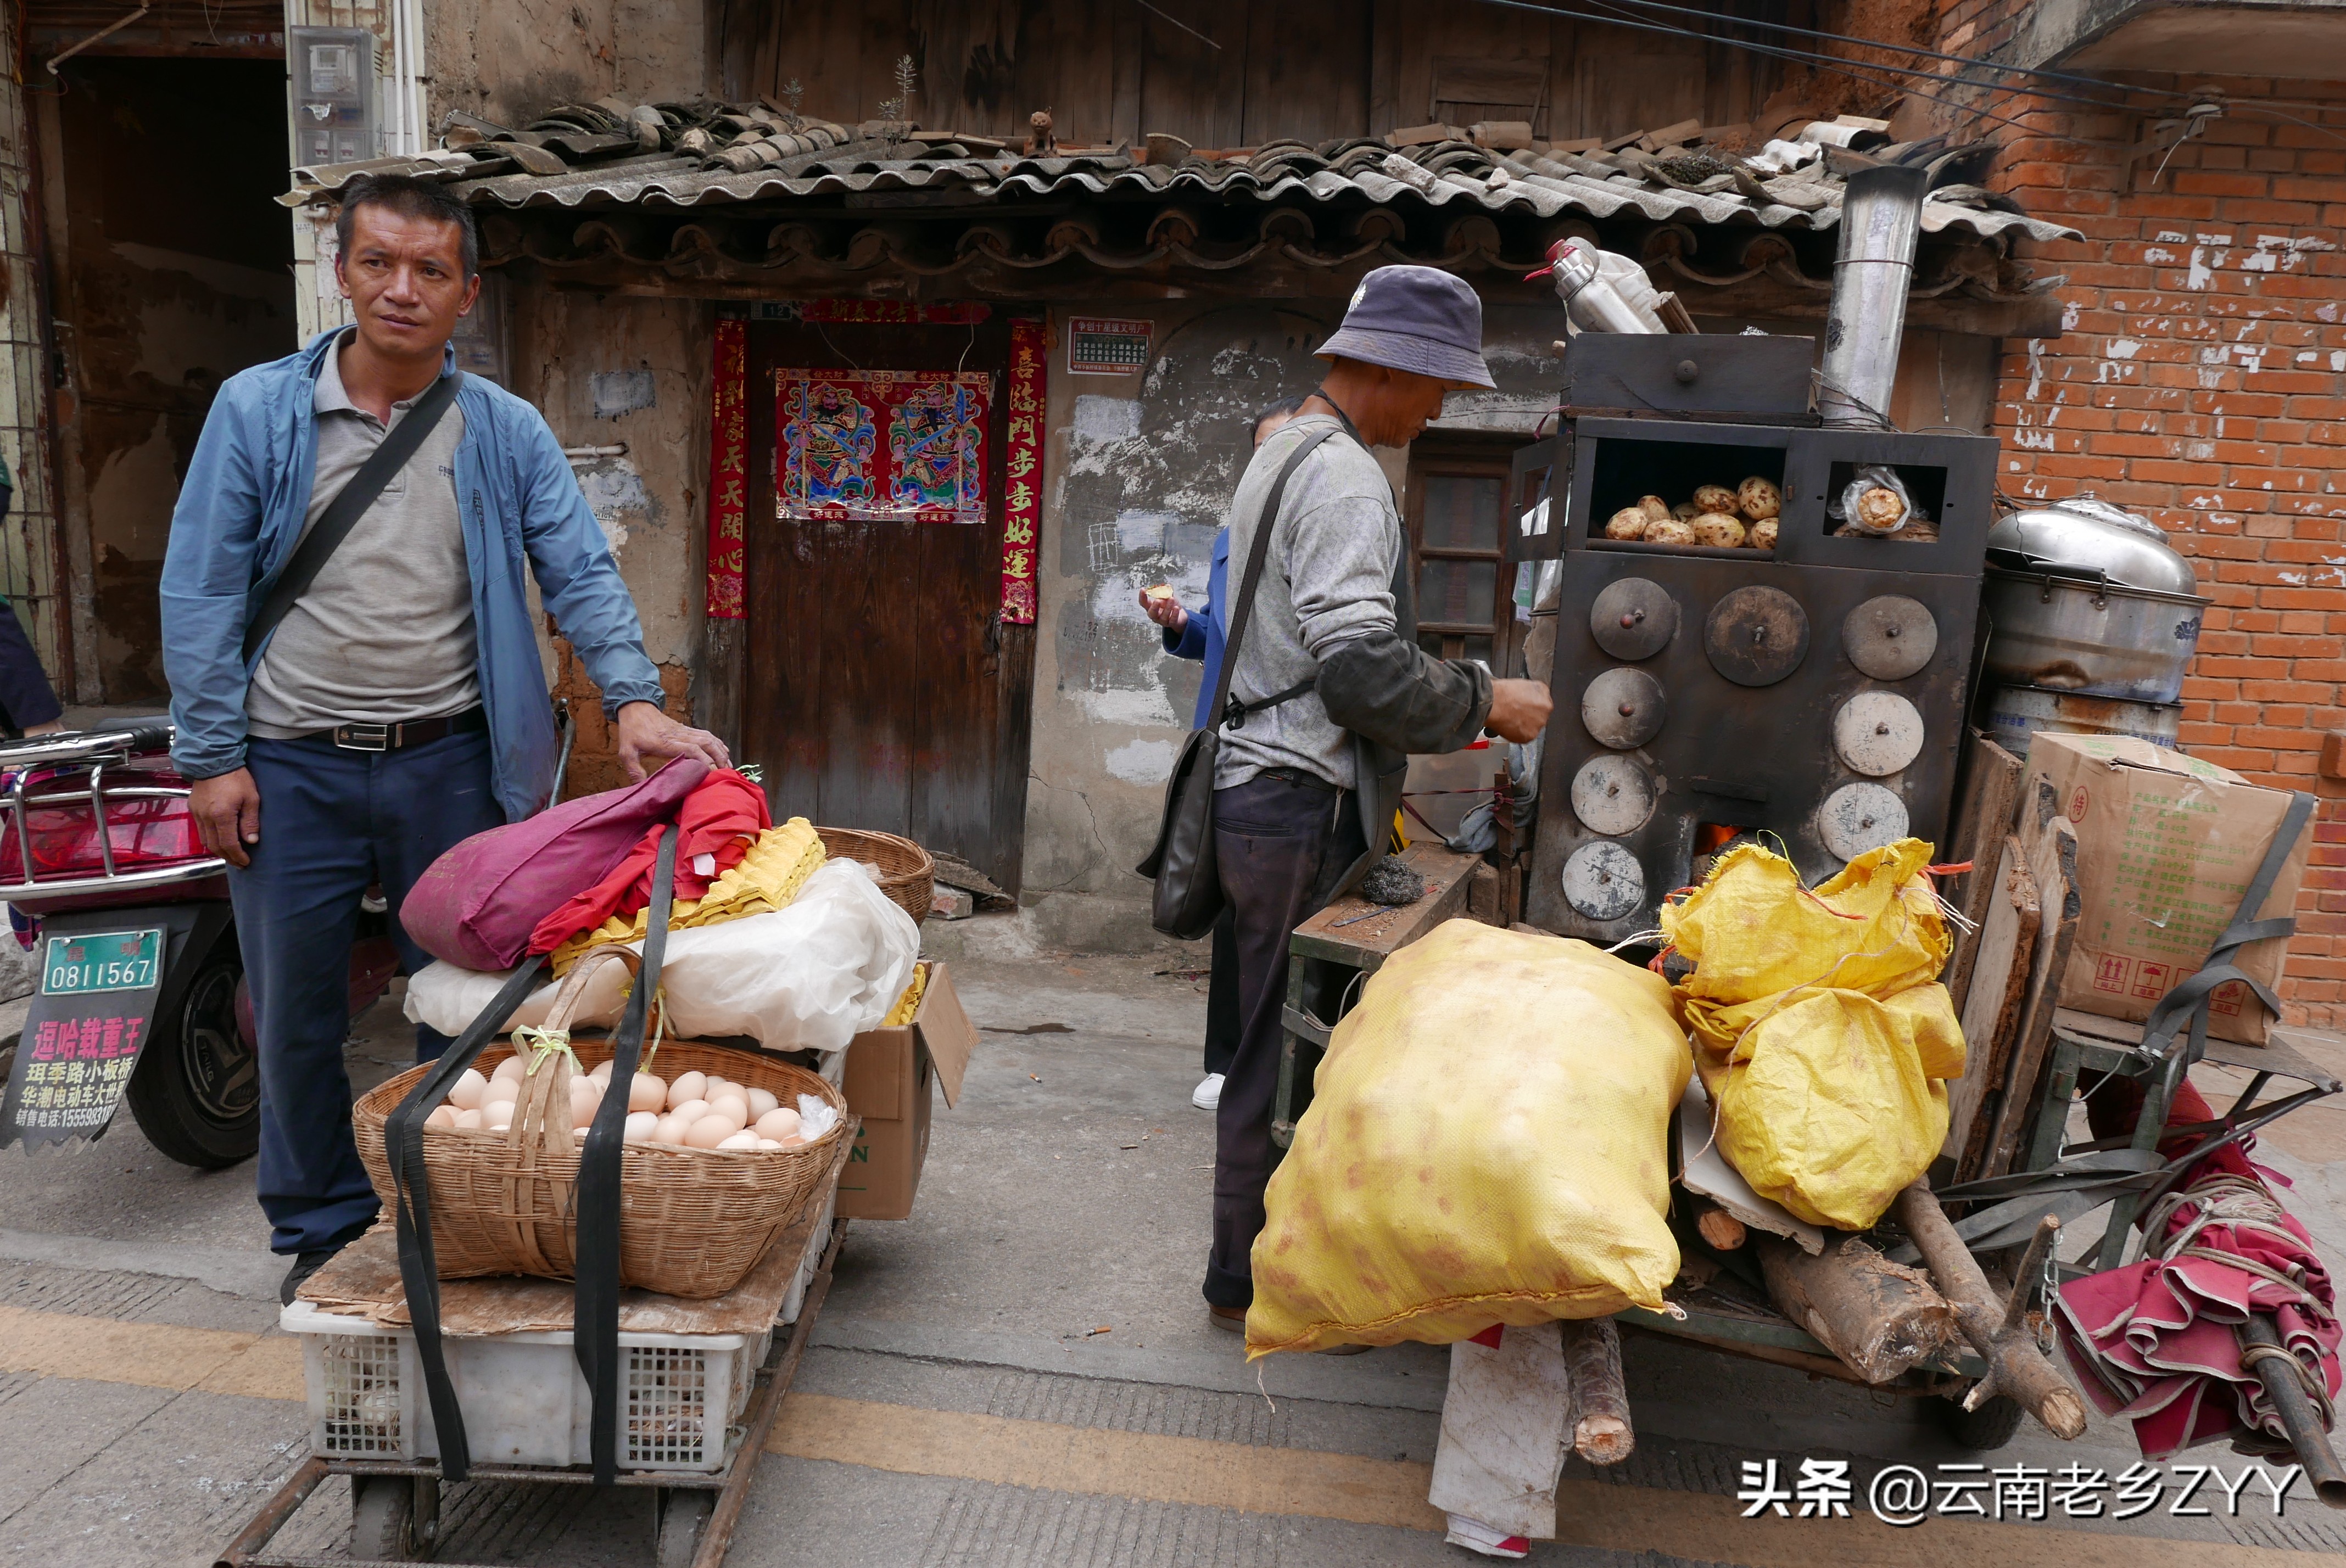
(608, 168)
(748, 190)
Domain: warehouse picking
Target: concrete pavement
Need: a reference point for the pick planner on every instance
(1021, 1374)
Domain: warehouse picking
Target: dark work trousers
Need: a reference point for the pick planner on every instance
(26, 698)
(332, 822)
(1279, 848)
(1222, 994)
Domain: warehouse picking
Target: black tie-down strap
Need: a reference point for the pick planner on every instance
(595, 1315)
(2189, 1000)
(419, 1272)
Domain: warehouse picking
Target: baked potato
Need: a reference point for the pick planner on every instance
(1759, 497)
(1714, 498)
(1669, 531)
(1629, 523)
(1717, 529)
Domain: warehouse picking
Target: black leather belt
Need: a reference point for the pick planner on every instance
(394, 737)
(1301, 779)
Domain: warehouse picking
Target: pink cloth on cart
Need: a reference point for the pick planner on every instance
(2155, 1341)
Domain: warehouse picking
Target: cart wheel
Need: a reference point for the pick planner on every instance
(383, 1518)
(1984, 1429)
(682, 1510)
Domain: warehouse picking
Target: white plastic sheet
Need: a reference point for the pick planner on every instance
(807, 978)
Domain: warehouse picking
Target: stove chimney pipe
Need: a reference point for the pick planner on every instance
(1881, 223)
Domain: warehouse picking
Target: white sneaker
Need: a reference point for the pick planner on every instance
(1207, 1096)
(1476, 1536)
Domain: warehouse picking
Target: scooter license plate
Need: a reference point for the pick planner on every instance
(106, 960)
(91, 1015)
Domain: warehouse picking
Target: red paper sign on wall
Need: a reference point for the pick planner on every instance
(729, 470)
(1022, 496)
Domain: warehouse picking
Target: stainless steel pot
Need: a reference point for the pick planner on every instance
(2081, 635)
(2083, 537)
(2017, 713)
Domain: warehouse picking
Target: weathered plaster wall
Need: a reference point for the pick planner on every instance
(1141, 471)
(611, 370)
(507, 60)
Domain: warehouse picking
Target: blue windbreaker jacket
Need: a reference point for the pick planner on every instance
(1201, 639)
(241, 513)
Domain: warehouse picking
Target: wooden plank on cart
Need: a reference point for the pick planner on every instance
(2006, 951)
(2052, 846)
(1991, 793)
(1362, 935)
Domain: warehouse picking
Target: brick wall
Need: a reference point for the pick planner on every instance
(2202, 380)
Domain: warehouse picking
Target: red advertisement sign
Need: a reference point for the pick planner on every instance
(729, 470)
(1022, 496)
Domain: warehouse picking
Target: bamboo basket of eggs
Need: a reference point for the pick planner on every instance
(1744, 517)
(723, 1151)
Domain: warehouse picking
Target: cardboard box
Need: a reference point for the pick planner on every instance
(2167, 846)
(891, 1076)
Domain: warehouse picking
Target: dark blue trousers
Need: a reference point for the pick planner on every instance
(333, 823)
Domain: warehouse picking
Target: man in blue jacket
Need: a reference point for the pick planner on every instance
(1198, 635)
(399, 706)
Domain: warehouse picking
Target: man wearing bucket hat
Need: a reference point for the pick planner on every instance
(1337, 692)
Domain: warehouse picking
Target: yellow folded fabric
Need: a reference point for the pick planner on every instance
(910, 1002)
(767, 879)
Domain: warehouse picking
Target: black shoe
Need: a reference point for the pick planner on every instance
(307, 1263)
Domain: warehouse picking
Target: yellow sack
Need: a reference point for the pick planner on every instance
(1819, 1027)
(1488, 1143)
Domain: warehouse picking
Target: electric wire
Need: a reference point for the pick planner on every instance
(1901, 78)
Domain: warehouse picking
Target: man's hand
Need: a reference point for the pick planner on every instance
(1165, 610)
(1519, 709)
(645, 731)
(226, 810)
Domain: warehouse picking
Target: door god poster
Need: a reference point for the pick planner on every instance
(880, 445)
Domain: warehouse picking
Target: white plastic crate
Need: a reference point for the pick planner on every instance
(525, 1400)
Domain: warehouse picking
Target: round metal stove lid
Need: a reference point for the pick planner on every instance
(1890, 637)
(1757, 636)
(1856, 817)
(1612, 794)
(1624, 708)
(1603, 881)
(1877, 733)
(1634, 618)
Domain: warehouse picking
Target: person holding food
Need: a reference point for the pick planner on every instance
(1200, 637)
(1337, 691)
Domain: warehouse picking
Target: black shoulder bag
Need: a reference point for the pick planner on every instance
(1188, 895)
(342, 513)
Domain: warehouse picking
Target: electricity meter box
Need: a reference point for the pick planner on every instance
(332, 70)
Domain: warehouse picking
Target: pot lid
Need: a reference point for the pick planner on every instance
(2089, 537)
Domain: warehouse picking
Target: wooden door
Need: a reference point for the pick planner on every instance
(883, 690)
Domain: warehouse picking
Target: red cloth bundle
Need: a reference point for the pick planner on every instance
(718, 822)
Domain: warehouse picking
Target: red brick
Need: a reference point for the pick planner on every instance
(2192, 182)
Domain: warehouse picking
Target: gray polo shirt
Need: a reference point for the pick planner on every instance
(384, 634)
(1327, 581)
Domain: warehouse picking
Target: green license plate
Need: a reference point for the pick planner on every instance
(107, 960)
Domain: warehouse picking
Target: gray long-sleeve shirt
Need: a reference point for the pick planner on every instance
(1324, 608)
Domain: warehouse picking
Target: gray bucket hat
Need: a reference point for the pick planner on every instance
(1417, 319)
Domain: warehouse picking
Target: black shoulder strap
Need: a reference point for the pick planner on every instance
(310, 556)
(1256, 553)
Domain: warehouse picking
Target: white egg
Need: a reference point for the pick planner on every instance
(711, 1131)
(602, 1073)
(760, 1102)
(497, 1105)
(468, 1121)
(497, 1119)
(769, 1143)
(469, 1089)
(688, 1087)
(688, 1111)
(779, 1122)
(445, 1116)
(738, 1141)
(640, 1125)
(670, 1130)
(646, 1093)
(508, 1071)
(735, 1106)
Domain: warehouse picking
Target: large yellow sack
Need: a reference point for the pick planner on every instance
(1819, 1027)
(1487, 1142)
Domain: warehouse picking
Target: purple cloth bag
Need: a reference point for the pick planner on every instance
(477, 904)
